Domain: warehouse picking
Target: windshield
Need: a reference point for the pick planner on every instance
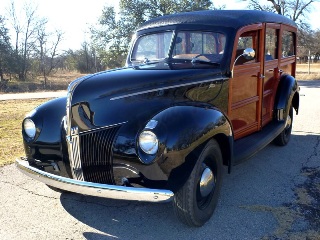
(197, 46)
(152, 47)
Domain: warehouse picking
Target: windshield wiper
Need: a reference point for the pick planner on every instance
(193, 61)
(204, 62)
(145, 61)
(196, 59)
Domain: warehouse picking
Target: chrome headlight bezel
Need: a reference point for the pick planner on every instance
(148, 142)
(29, 128)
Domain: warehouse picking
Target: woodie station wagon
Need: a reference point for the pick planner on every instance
(200, 90)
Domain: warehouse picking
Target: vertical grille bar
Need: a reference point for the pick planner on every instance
(97, 155)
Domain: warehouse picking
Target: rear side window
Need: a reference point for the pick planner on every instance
(288, 44)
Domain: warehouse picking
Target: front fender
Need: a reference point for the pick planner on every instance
(48, 118)
(287, 94)
(182, 132)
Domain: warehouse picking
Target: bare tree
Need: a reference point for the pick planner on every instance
(5, 49)
(294, 9)
(26, 26)
(47, 50)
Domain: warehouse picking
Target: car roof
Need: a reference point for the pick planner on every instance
(225, 18)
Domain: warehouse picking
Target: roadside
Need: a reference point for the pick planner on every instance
(32, 95)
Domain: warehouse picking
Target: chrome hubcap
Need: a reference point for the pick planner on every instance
(207, 182)
(289, 122)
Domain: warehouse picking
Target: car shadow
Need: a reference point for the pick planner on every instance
(264, 180)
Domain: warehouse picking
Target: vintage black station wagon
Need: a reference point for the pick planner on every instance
(200, 90)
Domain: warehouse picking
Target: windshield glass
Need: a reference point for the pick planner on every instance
(200, 47)
(152, 47)
(207, 46)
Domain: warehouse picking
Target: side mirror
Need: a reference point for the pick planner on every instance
(248, 54)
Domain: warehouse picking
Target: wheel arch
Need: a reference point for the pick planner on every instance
(184, 131)
(225, 143)
(287, 93)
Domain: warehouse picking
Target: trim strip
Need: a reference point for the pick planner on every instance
(101, 128)
(164, 88)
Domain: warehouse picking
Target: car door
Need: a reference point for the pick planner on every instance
(271, 70)
(245, 89)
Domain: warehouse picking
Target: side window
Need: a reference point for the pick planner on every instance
(247, 40)
(288, 44)
(271, 49)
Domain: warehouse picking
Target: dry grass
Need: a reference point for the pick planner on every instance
(314, 68)
(62, 77)
(303, 72)
(12, 113)
(58, 81)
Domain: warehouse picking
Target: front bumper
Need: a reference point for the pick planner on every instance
(95, 189)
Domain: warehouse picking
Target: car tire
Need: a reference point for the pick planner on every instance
(194, 205)
(284, 137)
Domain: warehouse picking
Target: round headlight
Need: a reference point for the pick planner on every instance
(29, 128)
(148, 142)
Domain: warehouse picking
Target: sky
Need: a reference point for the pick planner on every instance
(74, 17)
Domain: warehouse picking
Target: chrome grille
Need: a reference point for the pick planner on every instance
(72, 134)
(74, 156)
(97, 156)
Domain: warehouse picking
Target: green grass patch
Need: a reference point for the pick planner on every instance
(12, 113)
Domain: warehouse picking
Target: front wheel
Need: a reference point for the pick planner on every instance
(283, 138)
(196, 201)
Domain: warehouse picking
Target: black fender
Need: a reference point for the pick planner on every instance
(182, 132)
(287, 94)
(48, 119)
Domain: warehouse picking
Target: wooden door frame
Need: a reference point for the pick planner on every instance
(252, 68)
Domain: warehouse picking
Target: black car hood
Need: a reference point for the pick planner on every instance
(122, 95)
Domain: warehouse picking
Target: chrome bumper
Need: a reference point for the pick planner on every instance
(95, 189)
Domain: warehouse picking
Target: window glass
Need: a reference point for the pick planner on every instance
(271, 49)
(152, 46)
(247, 40)
(189, 44)
(288, 44)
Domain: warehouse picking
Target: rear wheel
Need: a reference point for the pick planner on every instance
(196, 201)
(284, 137)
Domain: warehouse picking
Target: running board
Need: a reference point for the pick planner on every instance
(246, 147)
